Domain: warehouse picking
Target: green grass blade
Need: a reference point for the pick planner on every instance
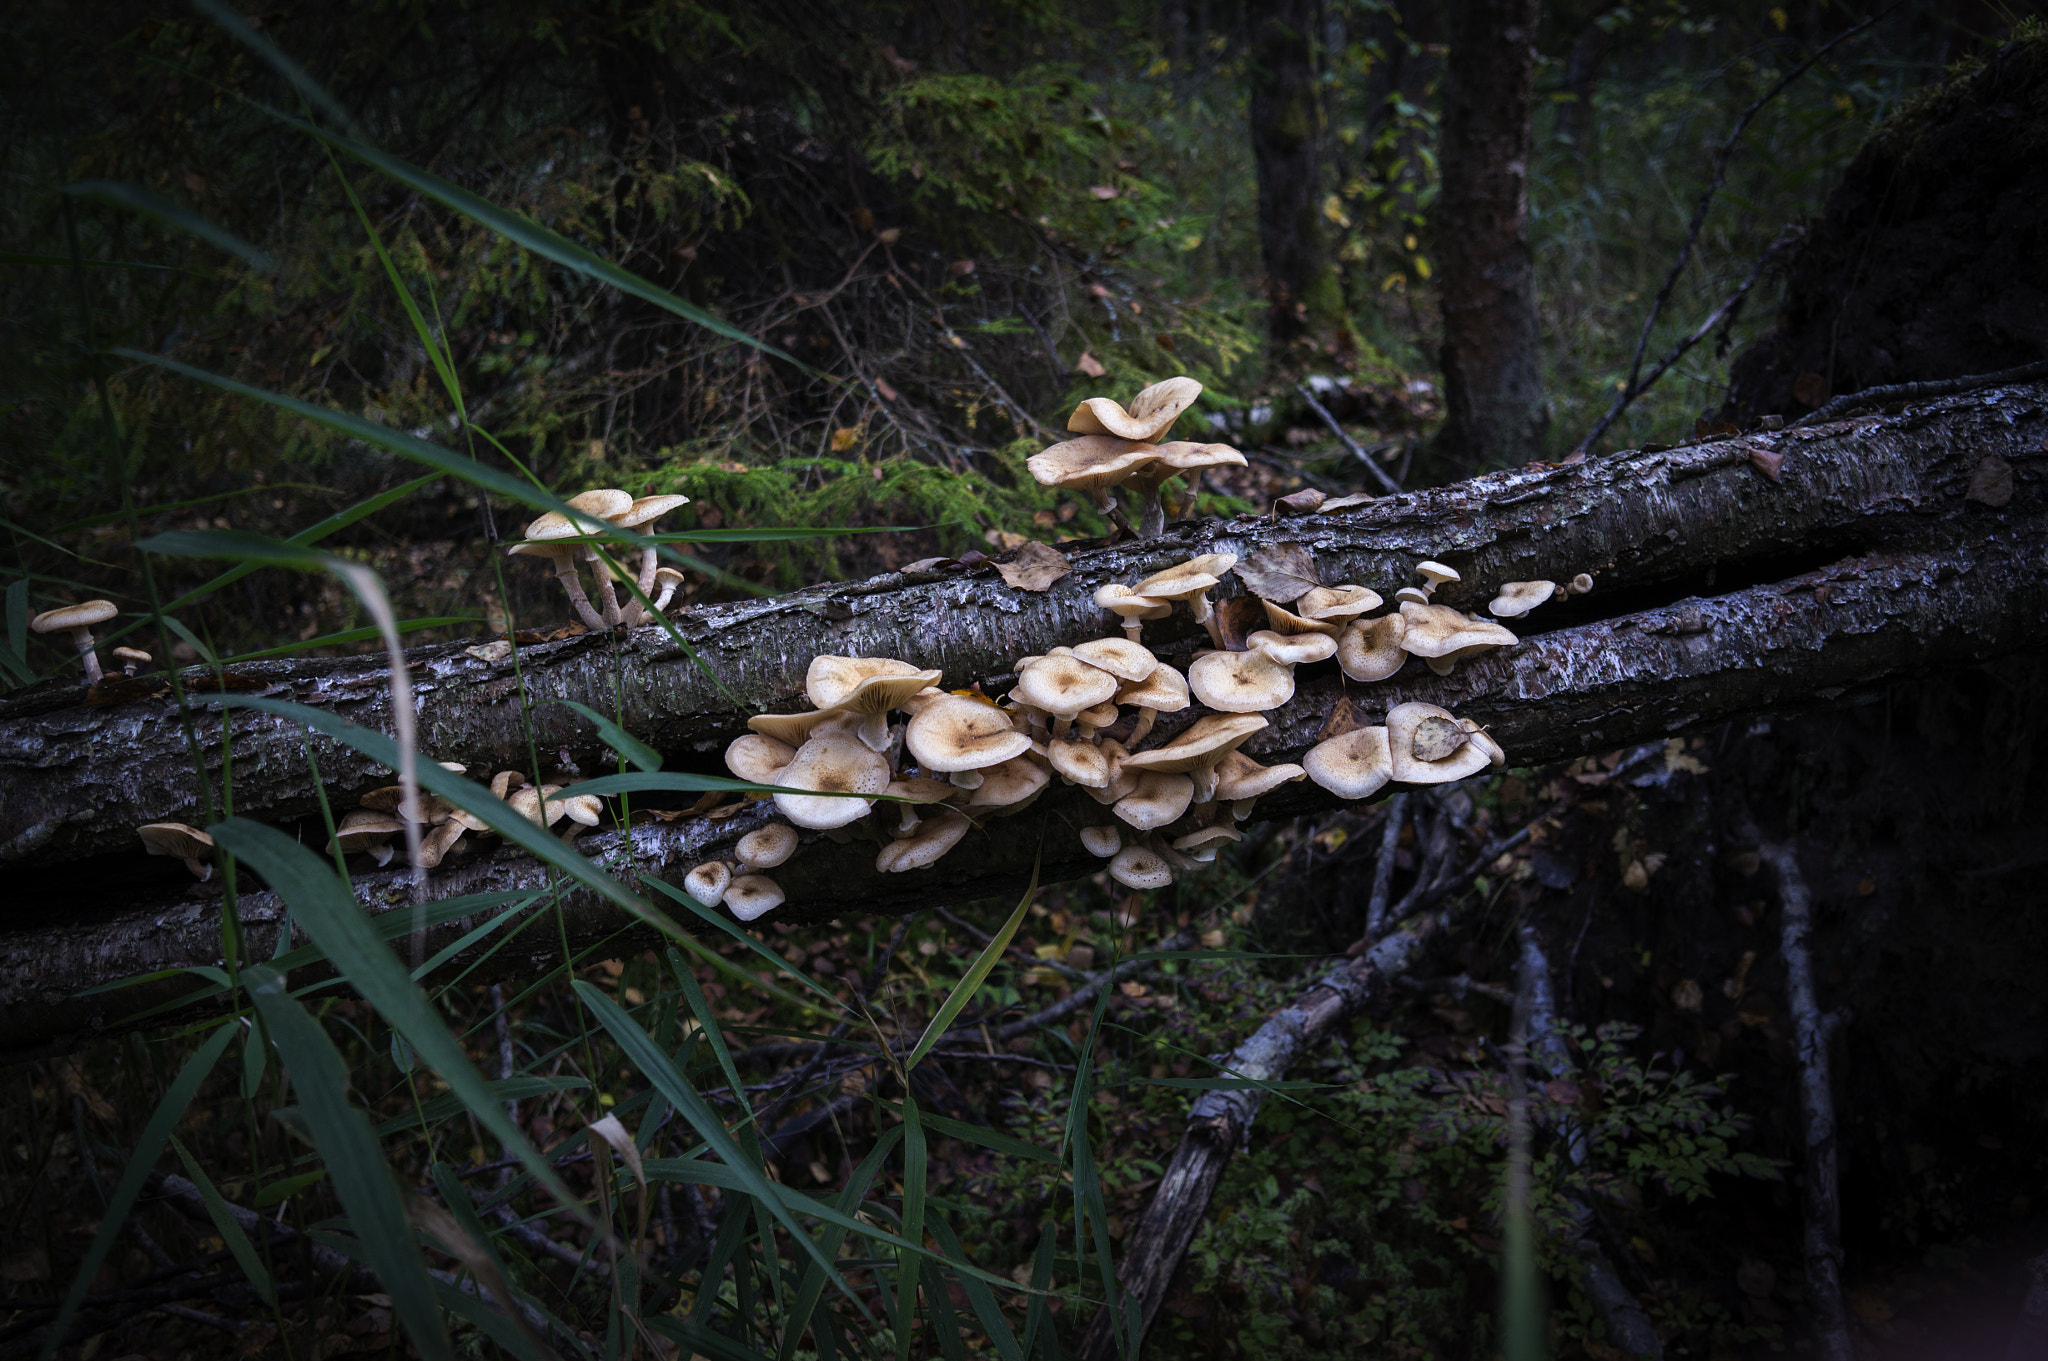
(443, 361)
(671, 782)
(155, 1134)
(133, 198)
(707, 1025)
(617, 738)
(979, 1297)
(449, 1104)
(362, 1180)
(313, 92)
(228, 1227)
(977, 973)
(703, 1341)
(812, 1287)
(908, 1264)
(975, 1134)
(1089, 1214)
(369, 633)
(775, 960)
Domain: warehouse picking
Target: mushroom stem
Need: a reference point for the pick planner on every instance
(1151, 514)
(1116, 517)
(81, 638)
(1146, 718)
(606, 595)
(1134, 628)
(650, 563)
(565, 572)
(200, 869)
(668, 591)
(1205, 615)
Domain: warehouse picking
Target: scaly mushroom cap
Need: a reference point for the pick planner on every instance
(797, 729)
(1147, 417)
(132, 656)
(178, 841)
(1411, 595)
(1436, 574)
(1239, 777)
(1439, 630)
(505, 781)
(758, 759)
(766, 847)
(953, 733)
(1185, 580)
(606, 503)
(1284, 620)
(1370, 649)
(362, 829)
(933, 838)
(1240, 682)
(646, 510)
(1128, 605)
(1203, 843)
(434, 847)
(868, 686)
(1185, 456)
(831, 764)
(752, 895)
(1356, 765)
(1428, 746)
(1121, 781)
(1093, 463)
(1079, 763)
(1165, 691)
(1204, 743)
(1338, 604)
(707, 883)
(1102, 841)
(1517, 598)
(1120, 657)
(1138, 867)
(532, 804)
(586, 809)
(1009, 787)
(80, 616)
(1160, 798)
(1579, 584)
(1062, 686)
(1293, 649)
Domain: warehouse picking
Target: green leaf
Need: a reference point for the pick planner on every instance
(229, 1228)
(450, 1104)
(133, 198)
(773, 959)
(311, 89)
(369, 633)
(617, 738)
(669, 782)
(908, 1264)
(284, 1190)
(707, 1025)
(978, 972)
(986, 1138)
(979, 1297)
(155, 1134)
(813, 1284)
(362, 1180)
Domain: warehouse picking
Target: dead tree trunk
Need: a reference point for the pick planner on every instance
(1286, 135)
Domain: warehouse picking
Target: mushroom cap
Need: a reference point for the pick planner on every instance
(1080, 763)
(1139, 867)
(954, 733)
(1580, 584)
(1096, 719)
(1436, 574)
(1238, 776)
(1404, 727)
(757, 758)
(832, 764)
(1092, 463)
(646, 510)
(797, 729)
(752, 895)
(1338, 603)
(607, 503)
(177, 840)
(915, 789)
(1411, 595)
(131, 654)
(1190, 578)
(1285, 620)
(434, 847)
(1148, 416)
(1204, 842)
(363, 829)
(1240, 682)
(1204, 743)
(1164, 691)
(1126, 603)
(1102, 841)
(1439, 631)
(1184, 456)
(532, 804)
(587, 809)
(1370, 649)
(864, 685)
(1160, 798)
(1496, 754)
(766, 847)
(1007, 787)
(542, 534)
(933, 838)
(1121, 781)
(707, 882)
(1517, 598)
(1354, 765)
(1062, 686)
(1120, 657)
(82, 615)
(663, 575)
(1293, 649)
(505, 781)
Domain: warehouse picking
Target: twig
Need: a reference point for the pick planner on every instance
(1942, 387)
(1081, 997)
(867, 988)
(1386, 479)
(1383, 869)
(226, 1325)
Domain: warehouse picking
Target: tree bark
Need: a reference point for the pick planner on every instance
(1286, 135)
(1493, 386)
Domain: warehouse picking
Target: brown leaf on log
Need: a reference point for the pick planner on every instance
(1768, 462)
(1280, 572)
(1991, 482)
(1237, 619)
(1034, 567)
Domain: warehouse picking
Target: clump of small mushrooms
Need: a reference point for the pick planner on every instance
(557, 538)
(1117, 446)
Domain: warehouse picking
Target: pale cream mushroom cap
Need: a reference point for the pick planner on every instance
(1063, 686)
(131, 654)
(1439, 631)
(1354, 765)
(1120, 657)
(1436, 574)
(1092, 721)
(758, 759)
(1121, 781)
(1337, 603)
(1203, 843)
(541, 533)
(1517, 598)
(832, 765)
(1188, 456)
(1102, 841)
(1092, 463)
(532, 804)
(1160, 798)
(1239, 777)
(1079, 763)
(1284, 620)
(1411, 595)
(1405, 723)
(606, 503)
(1139, 867)
(178, 841)
(646, 509)
(1370, 649)
(1165, 690)
(1147, 417)
(586, 809)
(707, 882)
(505, 781)
(1198, 574)
(953, 733)
(1496, 754)
(1204, 743)
(752, 895)
(1580, 584)
(1240, 682)
(868, 686)
(916, 704)
(1129, 606)
(1293, 649)
(796, 729)
(766, 847)
(1009, 787)
(916, 789)
(80, 616)
(434, 846)
(933, 838)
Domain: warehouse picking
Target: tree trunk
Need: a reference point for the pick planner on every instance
(1286, 132)
(1494, 408)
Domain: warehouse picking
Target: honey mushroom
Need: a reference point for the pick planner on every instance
(641, 515)
(1131, 608)
(1197, 752)
(960, 738)
(1241, 782)
(1370, 649)
(1191, 581)
(542, 541)
(1428, 745)
(869, 687)
(1517, 598)
(1441, 635)
(180, 842)
(1354, 765)
(77, 620)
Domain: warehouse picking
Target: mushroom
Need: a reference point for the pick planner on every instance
(1165, 691)
(1241, 781)
(1079, 763)
(367, 830)
(1120, 657)
(533, 804)
(1131, 607)
(180, 842)
(768, 846)
(1063, 686)
(641, 515)
(831, 766)
(752, 895)
(1008, 787)
(668, 581)
(542, 538)
(1150, 414)
(603, 503)
(1284, 620)
(1354, 765)
(870, 687)
(1102, 841)
(1198, 750)
(1203, 843)
(132, 659)
(1440, 635)
(77, 620)
(1140, 867)
(1411, 595)
(796, 729)
(1241, 682)
(585, 810)
(1095, 464)
(1337, 604)
(1427, 745)
(1121, 781)
(1495, 753)
(1435, 574)
(1176, 459)
(1192, 581)
(933, 838)
(1160, 797)
(1293, 649)
(1579, 584)
(1370, 649)
(757, 758)
(434, 846)
(1517, 598)
(960, 737)
(505, 781)
(707, 882)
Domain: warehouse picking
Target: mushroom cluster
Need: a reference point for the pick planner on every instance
(378, 819)
(559, 539)
(1117, 446)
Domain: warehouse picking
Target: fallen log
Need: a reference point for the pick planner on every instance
(1652, 526)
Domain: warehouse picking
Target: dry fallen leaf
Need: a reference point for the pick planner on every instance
(1768, 462)
(1088, 364)
(1035, 568)
(1003, 540)
(845, 437)
(1344, 717)
(1686, 996)
(1237, 619)
(1307, 501)
(1280, 572)
(1436, 738)
(1990, 482)
(1357, 498)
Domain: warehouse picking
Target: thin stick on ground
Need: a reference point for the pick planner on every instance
(1383, 869)
(1908, 392)
(1385, 478)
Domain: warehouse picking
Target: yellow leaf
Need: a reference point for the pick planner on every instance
(1780, 18)
(845, 437)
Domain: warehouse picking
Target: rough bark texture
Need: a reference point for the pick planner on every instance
(1286, 133)
(76, 781)
(1493, 388)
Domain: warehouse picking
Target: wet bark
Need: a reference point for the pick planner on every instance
(1286, 134)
